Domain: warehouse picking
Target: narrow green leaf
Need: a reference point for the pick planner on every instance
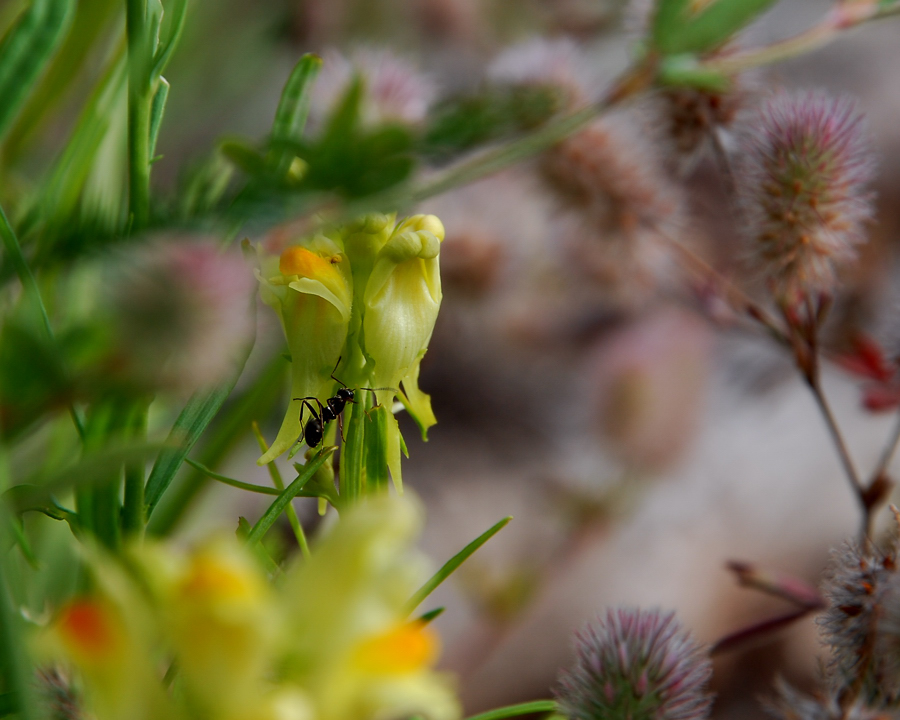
(293, 108)
(685, 70)
(167, 46)
(432, 614)
(25, 51)
(61, 192)
(225, 480)
(352, 475)
(157, 108)
(668, 22)
(528, 708)
(290, 492)
(717, 23)
(197, 414)
(90, 23)
(376, 439)
(452, 564)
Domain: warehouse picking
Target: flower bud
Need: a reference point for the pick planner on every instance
(402, 299)
(310, 286)
(636, 665)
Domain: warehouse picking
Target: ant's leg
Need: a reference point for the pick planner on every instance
(335, 370)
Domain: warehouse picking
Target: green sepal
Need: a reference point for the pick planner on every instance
(686, 71)
(376, 449)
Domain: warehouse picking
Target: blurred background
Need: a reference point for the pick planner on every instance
(639, 434)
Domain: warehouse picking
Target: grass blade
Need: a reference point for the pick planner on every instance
(528, 708)
(290, 492)
(451, 565)
(25, 51)
(197, 414)
(225, 480)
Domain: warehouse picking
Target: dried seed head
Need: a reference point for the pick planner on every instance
(394, 91)
(862, 624)
(686, 121)
(804, 165)
(636, 665)
(625, 210)
(789, 704)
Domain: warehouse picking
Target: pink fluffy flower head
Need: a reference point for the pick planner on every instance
(636, 665)
(805, 165)
(394, 91)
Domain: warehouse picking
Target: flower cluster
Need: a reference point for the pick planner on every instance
(330, 641)
(802, 183)
(636, 665)
(361, 301)
(862, 623)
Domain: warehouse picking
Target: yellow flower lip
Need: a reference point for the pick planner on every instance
(297, 260)
(209, 578)
(405, 648)
(88, 630)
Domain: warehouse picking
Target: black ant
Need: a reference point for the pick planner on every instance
(314, 429)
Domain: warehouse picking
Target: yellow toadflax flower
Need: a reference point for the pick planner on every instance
(311, 288)
(353, 649)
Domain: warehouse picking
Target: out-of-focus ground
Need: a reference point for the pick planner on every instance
(638, 449)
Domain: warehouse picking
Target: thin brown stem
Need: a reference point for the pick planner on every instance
(842, 17)
(843, 452)
(887, 454)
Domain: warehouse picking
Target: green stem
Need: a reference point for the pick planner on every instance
(26, 277)
(528, 708)
(352, 478)
(278, 482)
(133, 517)
(140, 100)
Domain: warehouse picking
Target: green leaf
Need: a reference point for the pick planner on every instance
(352, 475)
(61, 192)
(173, 35)
(25, 51)
(293, 108)
(376, 439)
(290, 492)
(196, 415)
(91, 22)
(685, 71)
(528, 708)
(157, 108)
(225, 480)
(452, 564)
(718, 22)
(668, 23)
(676, 30)
(432, 614)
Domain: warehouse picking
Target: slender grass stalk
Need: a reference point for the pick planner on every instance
(290, 492)
(26, 277)
(133, 515)
(452, 564)
(528, 708)
(140, 101)
(278, 482)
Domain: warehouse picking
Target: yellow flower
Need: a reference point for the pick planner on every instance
(310, 286)
(106, 636)
(352, 648)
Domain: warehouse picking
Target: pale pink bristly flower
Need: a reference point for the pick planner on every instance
(559, 64)
(183, 312)
(636, 665)
(861, 624)
(394, 91)
(804, 166)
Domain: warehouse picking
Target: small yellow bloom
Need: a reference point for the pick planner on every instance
(310, 286)
(405, 648)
